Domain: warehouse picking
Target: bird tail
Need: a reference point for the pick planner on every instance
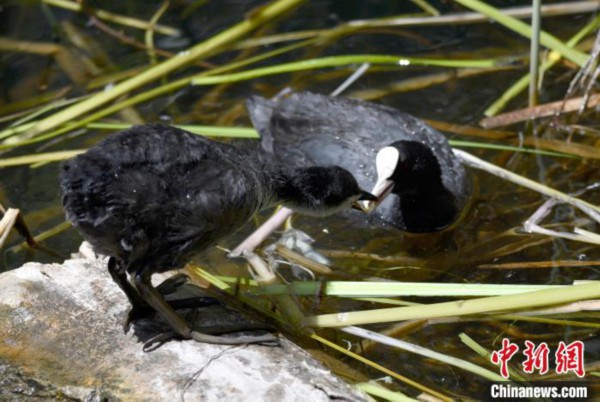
(260, 111)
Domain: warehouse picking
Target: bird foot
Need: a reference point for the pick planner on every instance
(157, 341)
(171, 284)
(266, 339)
(139, 312)
(134, 314)
(160, 339)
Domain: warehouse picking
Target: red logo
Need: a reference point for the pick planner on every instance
(503, 355)
(537, 357)
(568, 358)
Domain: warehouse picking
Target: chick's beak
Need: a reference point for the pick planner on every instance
(364, 198)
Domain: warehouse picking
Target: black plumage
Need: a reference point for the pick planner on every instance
(431, 185)
(153, 195)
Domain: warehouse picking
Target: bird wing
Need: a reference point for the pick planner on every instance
(181, 194)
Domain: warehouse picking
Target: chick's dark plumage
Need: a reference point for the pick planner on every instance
(152, 195)
(163, 201)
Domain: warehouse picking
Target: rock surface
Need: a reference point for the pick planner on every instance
(61, 338)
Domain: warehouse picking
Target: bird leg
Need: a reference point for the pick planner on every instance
(139, 307)
(142, 283)
(119, 276)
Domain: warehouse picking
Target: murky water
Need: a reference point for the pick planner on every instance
(485, 235)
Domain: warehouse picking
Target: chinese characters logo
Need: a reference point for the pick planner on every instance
(567, 358)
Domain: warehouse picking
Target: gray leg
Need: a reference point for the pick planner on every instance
(139, 307)
(141, 282)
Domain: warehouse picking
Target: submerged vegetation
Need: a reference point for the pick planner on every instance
(518, 265)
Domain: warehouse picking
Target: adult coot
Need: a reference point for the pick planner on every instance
(153, 195)
(428, 184)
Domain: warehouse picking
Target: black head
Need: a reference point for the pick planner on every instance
(416, 167)
(321, 190)
(411, 170)
(406, 167)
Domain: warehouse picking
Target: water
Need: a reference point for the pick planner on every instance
(485, 235)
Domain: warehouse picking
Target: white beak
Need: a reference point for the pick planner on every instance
(386, 163)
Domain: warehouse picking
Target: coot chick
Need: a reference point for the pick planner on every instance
(153, 195)
(428, 184)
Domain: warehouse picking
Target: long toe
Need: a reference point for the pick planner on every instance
(193, 302)
(135, 313)
(171, 284)
(266, 339)
(159, 340)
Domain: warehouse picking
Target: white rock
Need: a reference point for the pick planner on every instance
(60, 326)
